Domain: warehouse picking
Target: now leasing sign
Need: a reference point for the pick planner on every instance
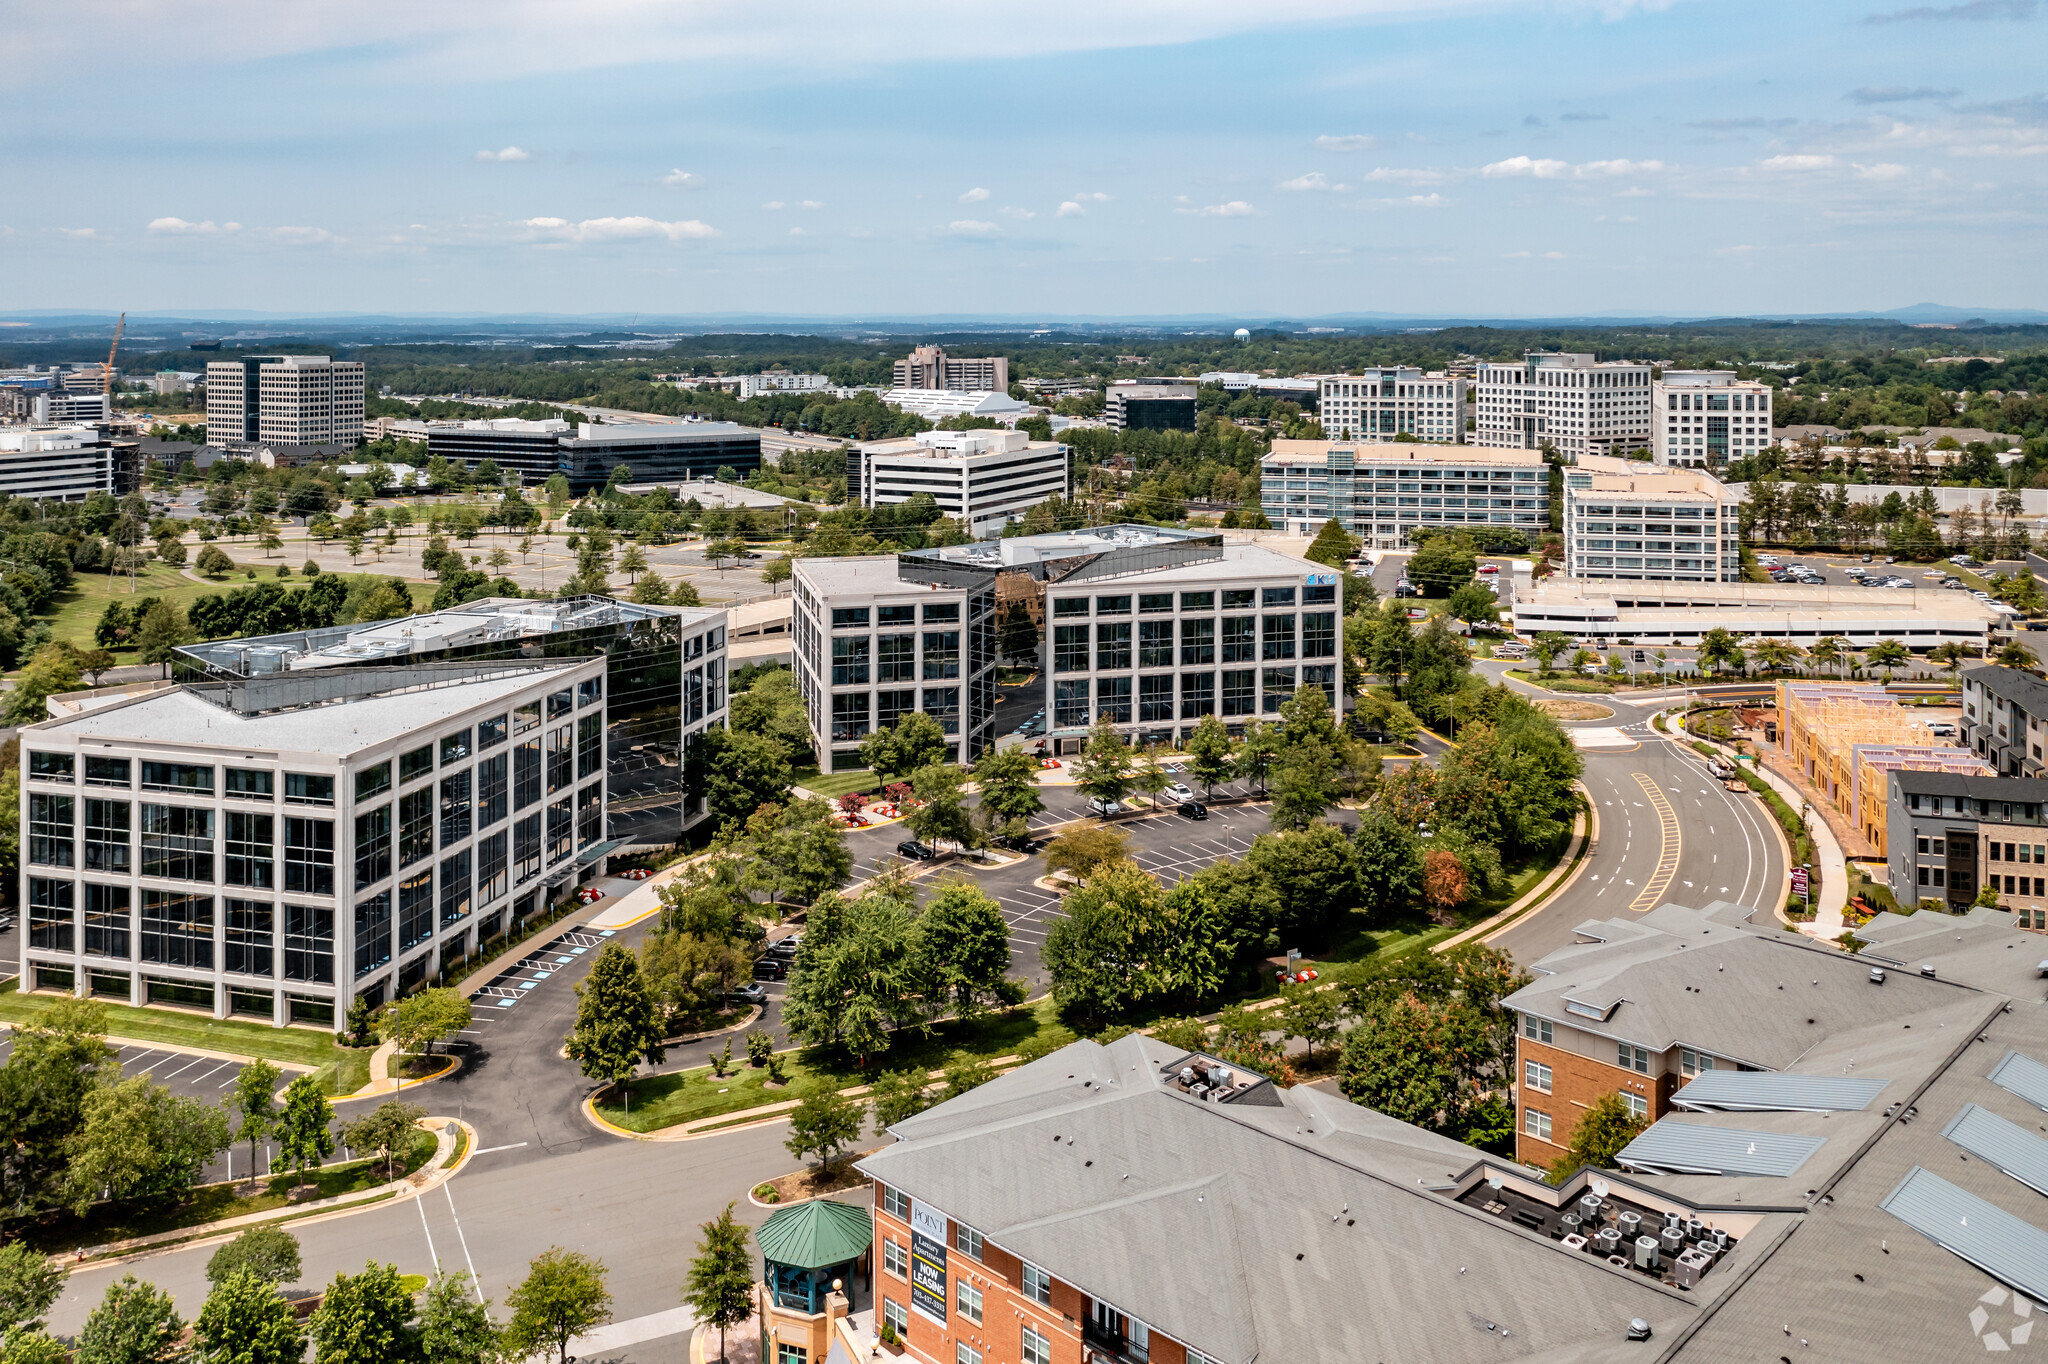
(928, 1261)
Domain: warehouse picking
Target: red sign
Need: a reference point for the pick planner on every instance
(1799, 879)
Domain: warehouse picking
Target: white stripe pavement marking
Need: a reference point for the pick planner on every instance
(488, 1149)
(474, 1285)
(421, 1204)
(619, 1334)
(195, 1061)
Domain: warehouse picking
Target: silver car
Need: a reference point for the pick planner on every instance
(1176, 793)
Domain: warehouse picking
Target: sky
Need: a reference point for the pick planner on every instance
(910, 158)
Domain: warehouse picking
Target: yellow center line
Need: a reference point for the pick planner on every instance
(1667, 855)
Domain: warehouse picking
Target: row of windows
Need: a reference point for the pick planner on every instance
(177, 928)
(300, 788)
(1240, 639)
(856, 617)
(895, 657)
(850, 712)
(1244, 692)
(1235, 598)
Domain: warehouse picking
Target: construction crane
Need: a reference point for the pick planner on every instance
(107, 370)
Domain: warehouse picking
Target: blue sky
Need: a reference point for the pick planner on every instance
(1292, 157)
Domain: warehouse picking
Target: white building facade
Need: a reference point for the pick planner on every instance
(285, 399)
(62, 408)
(1380, 404)
(980, 478)
(66, 463)
(1627, 519)
(1571, 402)
(1702, 418)
(1382, 492)
(281, 846)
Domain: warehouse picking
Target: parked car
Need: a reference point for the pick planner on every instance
(913, 850)
(1866, 559)
(1176, 793)
(749, 994)
(1192, 809)
(771, 968)
(1891, 558)
(1489, 569)
(786, 947)
(1102, 808)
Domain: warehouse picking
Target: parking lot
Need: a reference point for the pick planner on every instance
(536, 967)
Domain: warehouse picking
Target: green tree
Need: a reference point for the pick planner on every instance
(914, 742)
(616, 1024)
(632, 562)
(139, 1141)
(797, 850)
(1888, 653)
(1546, 647)
(416, 1022)
(1008, 778)
(162, 629)
(857, 977)
(738, 773)
(824, 1123)
(1210, 754)
(776, 572)
(772, 706)
(247, 1321)
(1315, 876)
(58, 1059)
(1402, 1057)
(1103, 771)
(965, 943)
(29, 1286)
(365, 1318)
(942, 813)
(1017, 634)
(455, 1323)
(385, 1130)
(2016, 655)
(135, 1323)
(1097, 955)
(303, 1140)
(270, 1253)
(1718, 650)
(387, 601)
(1314, 1015)
(1305, 784)
(1599, 1136)
(1389, 862)
(563, 1296)
(899, 1094)
(212, 562)
(1257, 752)
(52, 669)
(1332, 545)
(1150, 776)
(720, 1286)
(1475, 604)
(1442, 565)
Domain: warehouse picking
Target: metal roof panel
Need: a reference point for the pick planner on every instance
(2010, 1250)
(1668, 1147)
(2024, 1076)
(2007, 1145)
(1752, 1091)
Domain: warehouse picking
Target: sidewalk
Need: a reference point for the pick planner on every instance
(1834, 867)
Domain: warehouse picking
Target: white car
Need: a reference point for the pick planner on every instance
(1934, 573)
(1176, 793)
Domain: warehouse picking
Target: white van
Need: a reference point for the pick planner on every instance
(1512, 649)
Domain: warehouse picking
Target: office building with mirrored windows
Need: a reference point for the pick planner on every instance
(1146, 627)
(665, 679)
(278, 846)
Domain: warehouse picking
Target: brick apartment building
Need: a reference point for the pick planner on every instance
(1641, 1007)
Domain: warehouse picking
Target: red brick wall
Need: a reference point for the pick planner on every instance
(1575, 1082)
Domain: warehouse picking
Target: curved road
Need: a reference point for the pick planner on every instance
(1667, 832)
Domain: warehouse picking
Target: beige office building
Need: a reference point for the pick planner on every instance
(931, 367)
(288, 399)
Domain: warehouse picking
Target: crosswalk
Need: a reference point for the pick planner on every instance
(538, 966)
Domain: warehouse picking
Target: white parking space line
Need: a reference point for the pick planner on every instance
(215, 1071)
(195, 1061)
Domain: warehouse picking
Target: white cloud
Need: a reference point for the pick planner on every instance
(1404, 176)
(1882, 170)
(796, 232)
(1236, 208)
(505, 154)
(82, 233)
(1523, 165)
(617, 229)
(1092, 197)
(1009, 212)
(178, 227)
(303, 236)
(1070, 209)
(682, 179)
(1532, 255)
(811, 203)
(1314, 180)
(1797, 163)
(1419, 201)
(1734, 250)
(1351, 142)
(974, 196)
(775, 205)
(1619, 167)
(968, 227)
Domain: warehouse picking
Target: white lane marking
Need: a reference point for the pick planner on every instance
(475, 1285)
(489, 1149)
(432, 1254)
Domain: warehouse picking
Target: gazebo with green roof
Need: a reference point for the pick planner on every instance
(806, 1247)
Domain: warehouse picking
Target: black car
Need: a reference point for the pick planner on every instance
(1192, 809)
(914, 851)
(771, 968)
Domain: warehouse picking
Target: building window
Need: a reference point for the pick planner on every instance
(1240, 692)
(491, 867)
(309, 856)
(1634, 1058)
(896, 1203)
(589, 814)
(1113, 606)
(373, 846)
(51, 825)
(895, 658)
(849, 716)
(177, 842)
(849, 618)
(455, 747)
(1536, 1029)
(561, 758)
(1535, 1124)
(895, 615)
(943, 705)
(967, 1240)
(250, 930)
(50, 906)
(1536, 1076)
(184, 778)
(941, 653)
(309, 943)
(525, 718)
(416, 909)
(1636, 1104)
(107, 771)
(1070, 648)
(526, 774)
(1155, 699)
(963, 1353)
(106, 921)
(50, 766)
(561, 830)
(1277, 689)
(1155, 644)
(1037, 1284)
(1070, 702)
(491, 733)
(967, 1298)
(1197, 695)
(1277, 596)
(895, 1259)
(589, 692)
(1278, 637)
(1113, 647)
(890, 706)
(248, 861)
(491, 788)
(307, 788)
(455, 888)
(455, 808)
(416, 764)
(249, 783)
(1037, 1349)
(850, 661)
(1198, 601)
(1197, 642)
(1319, 634)
(177, 929)
(1240, 638)
(1691, 1063)
(415, 825)
(896, 1317)
(373, 933)
(526, 848)
(1066, 608)
(1113, 700)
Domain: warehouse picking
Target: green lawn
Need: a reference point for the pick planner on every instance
(833, 785)
(686, 1096)
(312, 1047)
(57, 1233)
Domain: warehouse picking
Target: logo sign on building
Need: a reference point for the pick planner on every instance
(1321, 579)
(928, 1261)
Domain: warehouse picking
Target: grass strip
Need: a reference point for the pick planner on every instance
(310, 1047)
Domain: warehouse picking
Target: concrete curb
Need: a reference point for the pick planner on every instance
(1585, 837)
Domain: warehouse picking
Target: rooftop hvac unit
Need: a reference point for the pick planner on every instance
(1606, 1241)
(1690, 1267)
(1574, 1242)
(1646, 1252)
(1671, 1240)
(1630, 1224)
(1877, 975)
